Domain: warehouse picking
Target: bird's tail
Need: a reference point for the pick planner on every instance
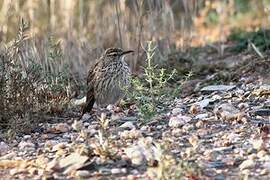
(90, 100)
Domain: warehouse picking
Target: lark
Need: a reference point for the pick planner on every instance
(106, 79)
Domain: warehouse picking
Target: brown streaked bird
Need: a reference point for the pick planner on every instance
(106, 79)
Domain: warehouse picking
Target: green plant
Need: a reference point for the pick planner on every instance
(260, 39)
(169, 167)
(150, 91)
(29, 89)
(103, 145)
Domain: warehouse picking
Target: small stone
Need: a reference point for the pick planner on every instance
(199, 124)
(3, 148)
(25, 144)
(26, 137)
(110, 107)
(10, 155)
(179, 121)
(267, 165)
(261, 154)
(86, 124)
(86, 117)
(262, 112)
(245, 172)
(136, 155)
(203, 103)
(130, 134)
(116, 171)
(127, 125)
(201, 116)
(257, 144)
(144, 128)
(177, 111)
(243, 105)
(227, 111)
(58, 147)
(265, 171)
(14, 171)
(212, 88)
(83, 173)
(62, 127)
(72, 162)
(53, 165)
(247, 164)
(193, 140)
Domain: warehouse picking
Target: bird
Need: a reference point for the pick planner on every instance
(107, 78)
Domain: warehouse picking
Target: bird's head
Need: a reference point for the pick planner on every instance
(116, 52)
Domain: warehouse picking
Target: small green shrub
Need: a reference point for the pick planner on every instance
(260, 38)
(150, 91)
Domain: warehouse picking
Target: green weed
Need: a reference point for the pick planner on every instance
(150, 91)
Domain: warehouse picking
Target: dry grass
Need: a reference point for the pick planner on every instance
(31, 88)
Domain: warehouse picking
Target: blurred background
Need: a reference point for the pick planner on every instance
(84, 28)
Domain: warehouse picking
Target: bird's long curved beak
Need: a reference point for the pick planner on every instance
(127, 52)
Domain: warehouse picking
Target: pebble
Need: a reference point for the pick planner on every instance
(136, 155)
(212, 88)
(3, 148)
(83, 173)
(144, 128)
(201, 116)
(110, 107)
(243, 105)
(178, 121)
(128, 125)
(86, 117)
(59, 146)
(24, 144)
(62, 127)
(247, 164)
(257, 144)
(177, 111)
(267, 165)
(116, 171)
(26, 137)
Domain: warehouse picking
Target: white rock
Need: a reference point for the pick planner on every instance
(203, 103)
(267, 165)
(144, 128)
(227, 111)
(257, 144)
(24, 144)
(177, 111)
(216, 97)
(136, 155)
(83, 173)
(26, 137)
(243, 105)
(116, 171)
(179, 121)
(85, 117)
(247, 164)
(218, 88)
(3, 148)
(201, 116)
(128, 125)
(110, 107)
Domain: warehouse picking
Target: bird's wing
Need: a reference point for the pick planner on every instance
(90, 96)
